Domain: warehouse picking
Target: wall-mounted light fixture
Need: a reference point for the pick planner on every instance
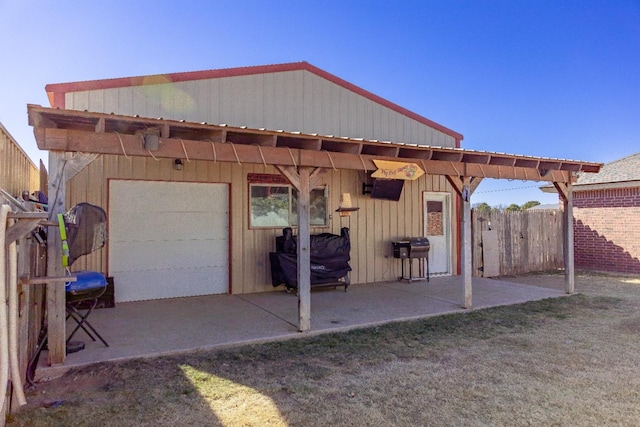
(345, 207)
(177, 164)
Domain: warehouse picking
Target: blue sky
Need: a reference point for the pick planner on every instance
(545, 78)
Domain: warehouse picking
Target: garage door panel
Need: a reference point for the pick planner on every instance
(168, 239)
(144, 196)
(129, 256)
(150, 257)
(169, 225)
(215, 204)
(174, 283)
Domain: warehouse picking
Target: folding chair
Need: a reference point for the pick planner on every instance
(82, 231)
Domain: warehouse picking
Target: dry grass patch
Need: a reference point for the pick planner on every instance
(565, 361)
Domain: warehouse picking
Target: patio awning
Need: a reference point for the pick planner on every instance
(81, 131)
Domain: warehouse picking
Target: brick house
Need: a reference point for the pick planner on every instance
(606, 209)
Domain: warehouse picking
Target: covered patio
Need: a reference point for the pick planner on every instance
(171, 326)
(303, 159)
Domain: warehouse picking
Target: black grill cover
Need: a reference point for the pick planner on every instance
(330, 255)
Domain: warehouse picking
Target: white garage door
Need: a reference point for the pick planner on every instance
(168, 239)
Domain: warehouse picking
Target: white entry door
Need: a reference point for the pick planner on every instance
(168, 239)
(437, 228)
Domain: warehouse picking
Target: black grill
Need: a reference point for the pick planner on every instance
(410, 249)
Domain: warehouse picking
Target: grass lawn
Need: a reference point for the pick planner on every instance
(565, 361)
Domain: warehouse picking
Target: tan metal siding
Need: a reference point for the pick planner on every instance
(153, 103)
(242, 97)
(200, 104)
(139, 101)
(320, 106)
(104, 103)
(287, 101)
(125, 102)
(373, 227)
(17, 171)
(292, 101)
(80, 100)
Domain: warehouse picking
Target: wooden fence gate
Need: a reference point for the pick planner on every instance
(508, 243)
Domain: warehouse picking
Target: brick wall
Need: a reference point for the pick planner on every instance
(607, 230)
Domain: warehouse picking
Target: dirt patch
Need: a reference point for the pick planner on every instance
(47, 394)
(630, 326)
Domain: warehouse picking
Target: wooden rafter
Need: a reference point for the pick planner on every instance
(563, 189)
(457, 182)
(66, 130)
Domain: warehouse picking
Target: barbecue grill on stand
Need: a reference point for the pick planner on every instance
(410, 249)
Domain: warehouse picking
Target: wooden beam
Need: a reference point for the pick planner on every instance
(56, 315)
(120, 144)
(43, 178)
(467, 296)
(475, 182)
(291, 174)
(304, 250)
(25, 302)
(303, 180)
(26, 280)
(100, 126)
(457, 183)
(566, 192)
(165, 131)
(316, 177)
(21, 229)
(504, 165)
(562, 188)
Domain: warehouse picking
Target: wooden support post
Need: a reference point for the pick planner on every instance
(304, 251)
(56, 315)
(464, 187)
(467, 296)
(25, 297)
(566, 192)
(304, 179)
(43, 178)
(569, 271)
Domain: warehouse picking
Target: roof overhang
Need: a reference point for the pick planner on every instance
(596, 186)
(77, 131)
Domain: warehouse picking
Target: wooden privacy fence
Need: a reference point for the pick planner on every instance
(507, 243)
(31, 264)
(17, 171)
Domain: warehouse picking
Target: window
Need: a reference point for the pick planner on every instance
(276, 206)
(434, 218)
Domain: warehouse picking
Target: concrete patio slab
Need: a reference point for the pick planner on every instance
(170, 326)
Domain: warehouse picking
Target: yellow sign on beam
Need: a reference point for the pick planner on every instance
(397, 170)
